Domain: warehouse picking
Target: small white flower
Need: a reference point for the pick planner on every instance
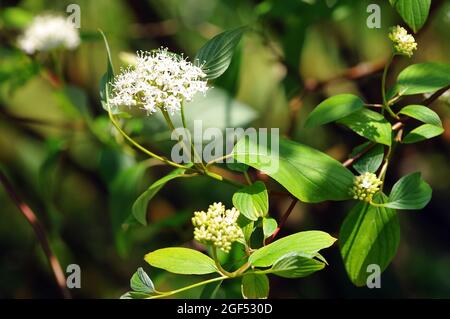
(404, 43)
(365, 186)
(48, 32)
(217, 226)
(159, 79)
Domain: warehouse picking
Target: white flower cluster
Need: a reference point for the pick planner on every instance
(404, 43)
(159, 79)
(48, 32)
(217, 226)
(365, 186)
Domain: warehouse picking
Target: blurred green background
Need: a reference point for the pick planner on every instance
(67, 162)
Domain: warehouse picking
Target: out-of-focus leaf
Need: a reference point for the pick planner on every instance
(15, 17)
(140, 205)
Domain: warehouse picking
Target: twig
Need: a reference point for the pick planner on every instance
(282, 221)
(40, 235)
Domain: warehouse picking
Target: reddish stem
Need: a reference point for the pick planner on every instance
(40, 234)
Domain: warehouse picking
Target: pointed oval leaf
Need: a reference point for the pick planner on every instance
(215, 56)
(295, 266)
(423, 132)
(369, 235)
(423, 78)
(252, 201)
(369, 124)
(308, 174)
(140, 205)
(255, 286)
(141, 282)
(180, 260)
(422, 113)
(307, 243)
(333, 109)
(107, 78)
(410, 192)
(413, 12)
(370, 161)
(269, 226)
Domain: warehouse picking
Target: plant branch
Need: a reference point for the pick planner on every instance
(199, 284)
(40, 233)
(282, 221)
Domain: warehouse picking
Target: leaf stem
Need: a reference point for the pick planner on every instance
(199, 284)
(247, 178)
(139, 146)
(218, 265)
(197, 159)
(282, 221)
(223, 179)
(383, 88)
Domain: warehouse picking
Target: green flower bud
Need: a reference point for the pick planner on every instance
(404, 43)
(217, 226)
(365, 186)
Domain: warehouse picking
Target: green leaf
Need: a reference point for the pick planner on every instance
(107, 78)
(122, 193)
(308, 174)
(422, 113)
(370, 161)
(134, 295)
(369, 235)
(14, 17)
(212, 291)
(269, 226)
(333, 109)
(423, 132)
(295, 266)
(413, 12)
(139, 208)
(141, 282)
(252, 201)
(215, 56)
(247, 227)
(255, 286)
(183, 261)
(307, 243)
(216, 110)
(423, 78)
(369, 124)
(410, 192)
